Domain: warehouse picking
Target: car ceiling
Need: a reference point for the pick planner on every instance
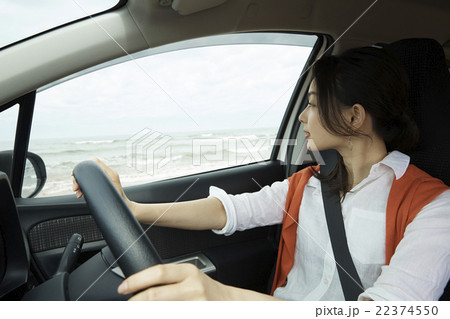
(386, 20)
(141, 24)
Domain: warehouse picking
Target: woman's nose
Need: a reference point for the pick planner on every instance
(302, 116)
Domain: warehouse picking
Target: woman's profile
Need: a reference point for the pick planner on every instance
(393, 212)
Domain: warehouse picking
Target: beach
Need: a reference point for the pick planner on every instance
(150, 155)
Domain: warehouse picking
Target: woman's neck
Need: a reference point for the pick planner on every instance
(360, 155)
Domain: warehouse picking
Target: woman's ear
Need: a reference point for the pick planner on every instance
(357, 116)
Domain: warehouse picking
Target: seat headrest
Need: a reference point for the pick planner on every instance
(424, 61)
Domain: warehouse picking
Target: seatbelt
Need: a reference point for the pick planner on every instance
(350, 281)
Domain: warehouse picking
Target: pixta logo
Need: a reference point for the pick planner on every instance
(147, 151)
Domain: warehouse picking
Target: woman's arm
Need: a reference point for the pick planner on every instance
(202, 214)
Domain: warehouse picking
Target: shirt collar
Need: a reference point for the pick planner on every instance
(395, 160)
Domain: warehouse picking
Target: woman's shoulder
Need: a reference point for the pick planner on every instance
(417, 185)
(416, 175)
(303, 175)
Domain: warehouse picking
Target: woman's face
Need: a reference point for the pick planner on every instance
(318, 137)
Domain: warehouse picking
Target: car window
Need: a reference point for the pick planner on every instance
(170, 114)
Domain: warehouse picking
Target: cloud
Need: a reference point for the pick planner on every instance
(221, 87)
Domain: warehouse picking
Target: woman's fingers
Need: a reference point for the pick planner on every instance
(170, 282)
(111, 174)
(156, 275)
(171, 292)
(173, 282)
(76, 187)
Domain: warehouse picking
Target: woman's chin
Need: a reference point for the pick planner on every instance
(312, 146)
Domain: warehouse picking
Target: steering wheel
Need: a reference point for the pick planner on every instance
(122, 232)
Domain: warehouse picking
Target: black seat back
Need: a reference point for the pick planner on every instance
(14, 254)
(425, 63)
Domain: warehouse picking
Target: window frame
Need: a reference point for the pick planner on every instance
(21, 140)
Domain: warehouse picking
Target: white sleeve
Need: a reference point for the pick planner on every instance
(420, 266)
(249, 210)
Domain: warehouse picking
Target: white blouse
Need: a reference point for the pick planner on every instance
(419, 269)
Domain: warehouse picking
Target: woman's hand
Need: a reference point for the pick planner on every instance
(173, 282)
(113, 176)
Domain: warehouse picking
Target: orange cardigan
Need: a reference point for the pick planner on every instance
(408, 195)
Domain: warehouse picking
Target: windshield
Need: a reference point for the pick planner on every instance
(24, 18)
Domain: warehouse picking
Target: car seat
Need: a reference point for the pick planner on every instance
(14, 253)
(424, 60)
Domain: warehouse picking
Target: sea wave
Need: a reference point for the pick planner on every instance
(241, 137)
(61, 155)
(95, 142)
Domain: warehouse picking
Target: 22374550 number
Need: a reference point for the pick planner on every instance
(411, 310)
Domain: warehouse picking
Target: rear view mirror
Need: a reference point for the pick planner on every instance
(35, 174)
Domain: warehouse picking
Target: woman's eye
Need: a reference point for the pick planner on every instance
(310, 104)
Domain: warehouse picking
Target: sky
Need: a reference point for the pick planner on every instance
(201, 89)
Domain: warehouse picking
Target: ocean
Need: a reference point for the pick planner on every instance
(149, 155)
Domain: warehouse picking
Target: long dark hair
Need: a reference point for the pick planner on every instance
(375, 79)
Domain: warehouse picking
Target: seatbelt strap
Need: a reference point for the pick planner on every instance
(350, 281)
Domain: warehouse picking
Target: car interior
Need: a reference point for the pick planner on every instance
(64, 248)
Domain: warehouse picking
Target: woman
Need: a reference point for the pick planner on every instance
(357, 106)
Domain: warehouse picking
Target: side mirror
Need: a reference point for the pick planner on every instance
(35, 173)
